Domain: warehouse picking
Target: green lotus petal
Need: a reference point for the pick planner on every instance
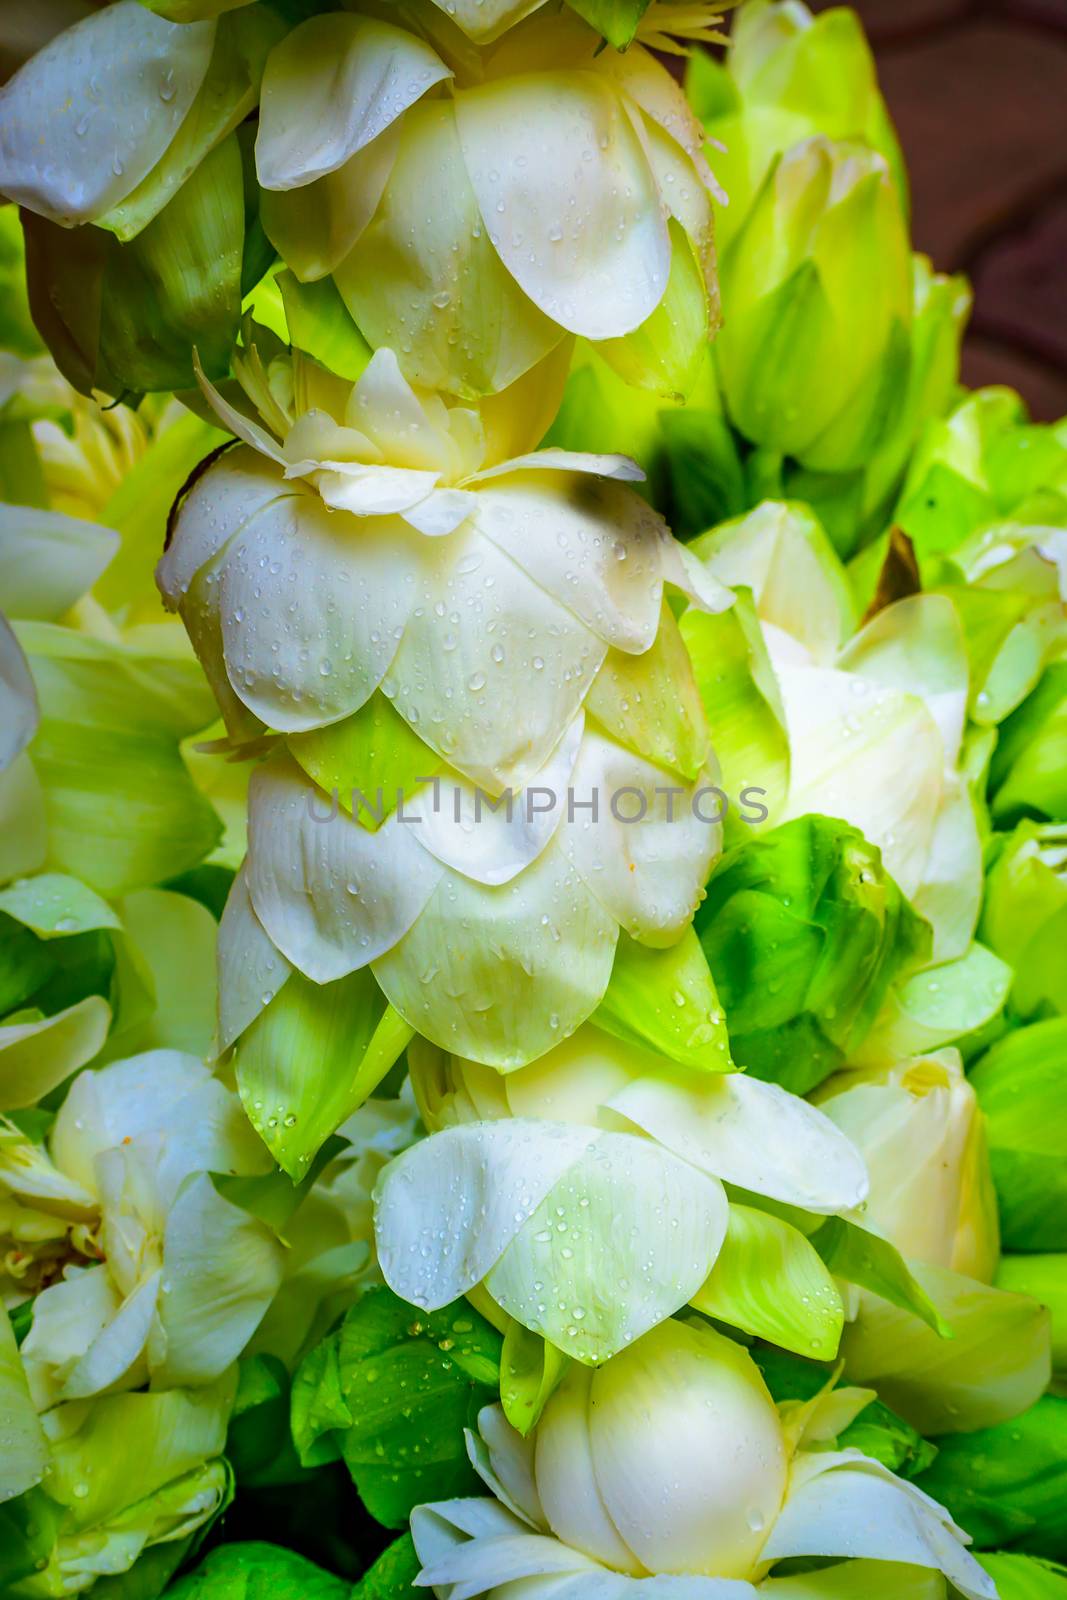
(743, 709)
(1020, 1084)
(1027, 773)
(25, 1455)
(121, 809)
(872, 1263)
(370, 758)
(55, 906)
(937, 1006)
(320, 323)
(311, 1058)
(995, 1365)
(38, 1055)
(125, 318)
(769, 1281)
(598, 1262)
(1006, 1483)
(228, 92)
(650, 703)
(665, 1000)
(530, 1369)
(665, 353)
(781, 553)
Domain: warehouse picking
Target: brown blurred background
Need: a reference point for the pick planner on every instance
(978, 91)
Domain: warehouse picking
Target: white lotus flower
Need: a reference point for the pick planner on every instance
(921, 1132)
(557, 168)
(184, 1275)
(671, 1468)
(385, 560)
(585, 1192)
(874, 718)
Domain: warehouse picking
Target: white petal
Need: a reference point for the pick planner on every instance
(511, 1459)
(917, 645)
(645, 851)
(553, 460)
(67, 1317)
(870, 755)
(463, 828)
(19, 713)
(581, 227)
(432, 271)
(501, 974)
(491, 669)
(116, 1355)
(90, 115)
(221, 1269)
(313, 228)
(47, 561)
(251, 970)
(752, 1134)
(441, 512)
(332, 85)
(368, 491)
(683, 571)
(313, 604)
(592, 544)
(233, 489)
(446, 1209)
(617, 1245)
(856, 1513)
(330, 894)
(571, 1497)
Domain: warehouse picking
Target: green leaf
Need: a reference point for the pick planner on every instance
(311, 1058)
(863, 1258)
(769, 1280)
(1019, 1577)
(1007, 1485)
(255, 1571)
(392, 1576)
(530, 1369)
(1022, 1088)
(665, 1000)
(392, 1390)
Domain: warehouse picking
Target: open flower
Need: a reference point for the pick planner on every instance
(585, 1192)
(671, 1466)
(483, 635)
(176, 1277)
(557, 166)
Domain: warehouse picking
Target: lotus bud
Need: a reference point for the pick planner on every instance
(1021, 1087)
(922, 1136)
(804, 931)
(787, 76)
(673, 1461)
(813, 358)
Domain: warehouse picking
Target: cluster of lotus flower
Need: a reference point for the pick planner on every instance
(428, 1100)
